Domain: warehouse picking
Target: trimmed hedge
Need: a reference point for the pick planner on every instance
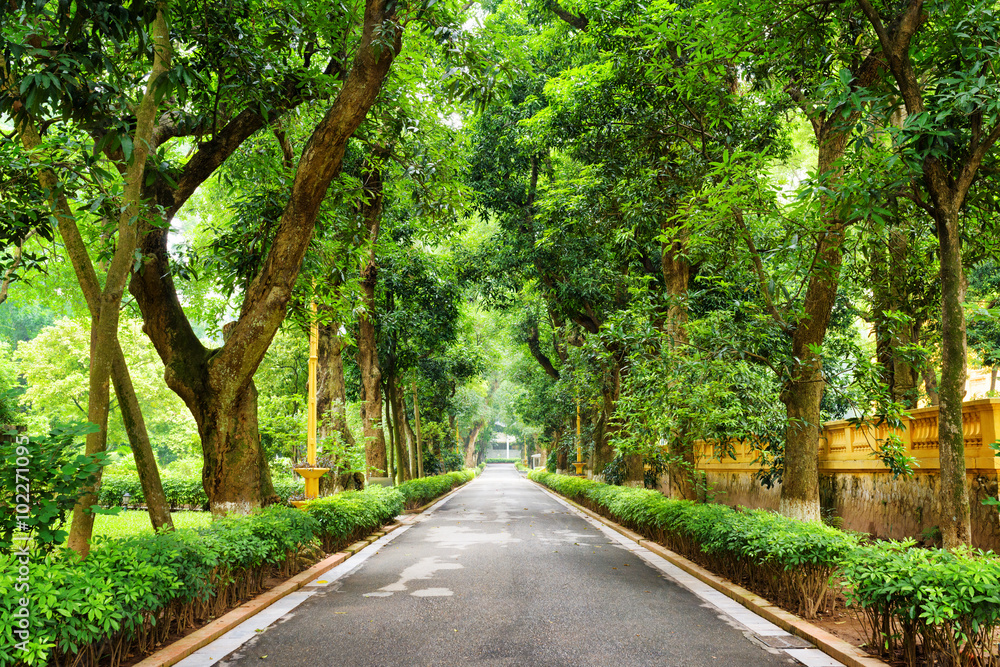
(790, 562)
(419, 492)
(347, 517)
(503, 460)
(947, 602)
(180, 490)
(130, 594)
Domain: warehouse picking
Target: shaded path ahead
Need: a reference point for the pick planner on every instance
(502, 573)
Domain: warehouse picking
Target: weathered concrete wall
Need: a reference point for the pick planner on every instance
(858, 488)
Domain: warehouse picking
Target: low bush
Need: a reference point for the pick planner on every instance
(502, 460)
(132, 593)
(947, 602)
(790, 562)
(346, 517)
(419, 492)
(181, 490)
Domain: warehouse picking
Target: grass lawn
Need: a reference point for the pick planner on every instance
(136, 522)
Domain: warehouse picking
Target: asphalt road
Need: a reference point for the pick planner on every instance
(503, 574)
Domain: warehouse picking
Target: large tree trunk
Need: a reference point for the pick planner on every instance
(331, 402)
(955, 520)
(210, 381)
(803, 389)
(235, 474)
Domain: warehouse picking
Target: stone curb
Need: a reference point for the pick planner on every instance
(831, 645)
(182, 648)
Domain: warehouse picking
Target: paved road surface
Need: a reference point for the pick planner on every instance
(502, 573)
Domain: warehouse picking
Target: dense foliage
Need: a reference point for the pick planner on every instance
(143, 588)
(418, 492)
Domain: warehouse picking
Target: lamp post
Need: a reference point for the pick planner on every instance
(311, 473)
(578, 464)
(125, 498)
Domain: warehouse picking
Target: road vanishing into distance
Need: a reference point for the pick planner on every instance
(504, 573)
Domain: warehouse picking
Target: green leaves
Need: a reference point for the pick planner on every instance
(47, 477)
(946, 601)
(129, 589)
(417, 492)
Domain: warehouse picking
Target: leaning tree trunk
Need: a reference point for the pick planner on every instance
(104, 326)
(804, 386)
(135, 425)
(138, 438)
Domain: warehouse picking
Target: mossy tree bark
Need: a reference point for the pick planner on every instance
(331, 402)
(135, 425)
(947, 179)
(217, 384)
(370, 211)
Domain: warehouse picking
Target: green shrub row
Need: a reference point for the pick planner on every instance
(789, 562)
(419, 492)
(944, 603)
(131, 594)
(347, 517)
(180, 490)
(503, 460)
(947, 602)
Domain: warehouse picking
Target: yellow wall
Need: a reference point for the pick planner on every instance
(859, 489)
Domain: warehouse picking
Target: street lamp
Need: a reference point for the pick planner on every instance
(311, 472)
(578, 464)
(125, 498)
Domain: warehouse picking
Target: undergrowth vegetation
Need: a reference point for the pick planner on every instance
(944, 603)
(181, 490)
(420, 491)
(131, 593)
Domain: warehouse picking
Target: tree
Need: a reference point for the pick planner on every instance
(939, 57)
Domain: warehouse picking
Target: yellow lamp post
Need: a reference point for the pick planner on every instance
(578, 464)
(311, 473)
